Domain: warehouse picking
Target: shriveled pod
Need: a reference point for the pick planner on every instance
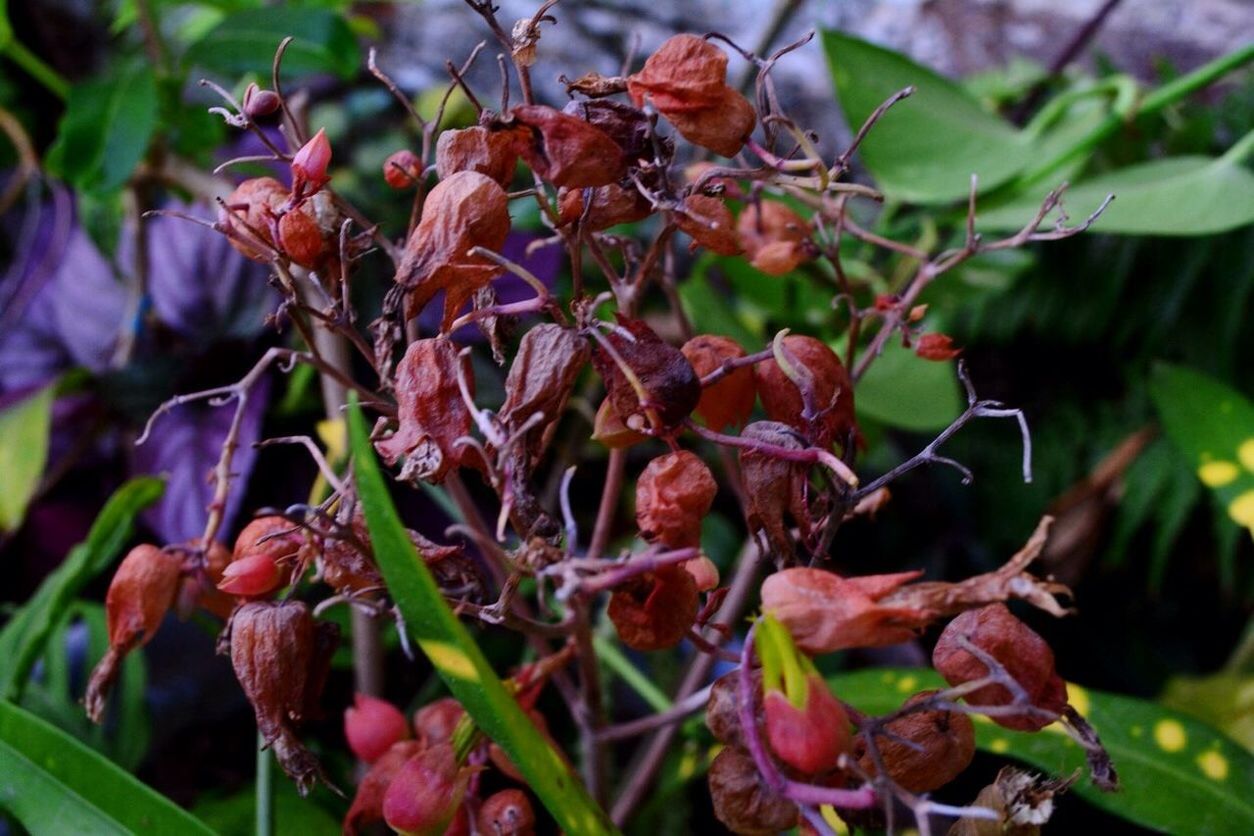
(492, 153)
(722, 712)
(727, 402)
(661, 380)
(775, 487)
(673, 496)
(924, 751)
(565, 150)
(775, 238)
(431, 413)
(540, 381)
(742, 801)
(655, 610)
(250, 217)
(814, 395)
(608, 206)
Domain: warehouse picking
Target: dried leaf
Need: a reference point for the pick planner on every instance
(729, 401)
(431, 413)
(549, 359)
(567, 151)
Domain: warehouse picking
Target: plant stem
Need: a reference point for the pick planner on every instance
(264, 790)
(35, 67)
(629, 673)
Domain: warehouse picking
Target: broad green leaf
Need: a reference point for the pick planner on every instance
(105, 131)
(711, 311)
(925, 149)
(455, 656)
(1173, 196)
(1176, 774)
(24, 429)
(1213, 425)
(905, 391)
(23, 638)
(51, 783)
(1225, 700)
(245, 42)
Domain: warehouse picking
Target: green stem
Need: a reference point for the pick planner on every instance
(265, 790)
(37, 69)
(629, 673)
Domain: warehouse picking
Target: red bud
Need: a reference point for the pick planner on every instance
(810, 738)
(426, 792)
(402, 170)
(372, 725)
(309, 166)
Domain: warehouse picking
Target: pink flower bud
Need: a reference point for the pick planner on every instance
(809, 738)
(259, 102)
(252, 576)
(426, 792)
(372, 725)
(309, 166)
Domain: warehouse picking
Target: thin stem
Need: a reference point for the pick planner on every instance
(264, 790)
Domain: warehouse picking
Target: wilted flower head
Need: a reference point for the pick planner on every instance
(742, 800)
(811, 392)
(923, 751)
(673, 496)
(655, 610)
(776, 239)
(663, 383)
(431, 414)
(492, 153)
(566, 150)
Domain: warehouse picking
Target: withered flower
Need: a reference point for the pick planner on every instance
(610, 205)
(709, 222)
(430, 412)
(729, 401)
(722, 712)
(686, 80)
(540, 380)
(566, 150)
(628, 126)
(924, 751)
(142, 591)
(281, 657)
(673, 496)
(492, 153)
(742, 801)
(250, 217)
(821, 407)
(776, 239)
(655, 610)
(775, 488)
(670, 387)
(200, 588)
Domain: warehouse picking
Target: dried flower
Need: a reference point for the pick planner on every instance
(936, 347)
(775, 488)
(673, 496)
(742, 801)
(814, 393)
(367, 807)
(729, 401)
(776, 239)
(403, 170)
(668, 387)
(628, 126)
(926, 750)
(250, 217)
(426, 792)
(709, 222)
(704, 572)
(492, 153)
(372, 726)
(722, 712)
(655, 610)
(611, 205)
(507, 813)
(565, 150)
(431, 414)
(301, 238)
(540, 380)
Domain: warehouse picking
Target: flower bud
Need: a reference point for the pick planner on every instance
(776, 239)
(1018, 648)
(507, 813)
(488, 152)
(729, 401)
(309, 165)
(435, 722)
(815, 394)
(367, 807)
(709, 222)
(372, 725)
(259, 103)
(142, 591)
(673, 495)
(664, 382)
(655, 610)
(252, 576)
(402, 170)
(426, 792)
(924, 751)
(742, 801)
(264, 555)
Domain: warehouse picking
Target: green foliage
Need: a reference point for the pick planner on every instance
(24, 429)
(245, 42)
(234, 815)
(910, 393)
(1176, 774)
(456, 657)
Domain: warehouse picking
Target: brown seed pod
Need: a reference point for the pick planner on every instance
(776, 239)
(611, 205)
(259, 103)
(403, 170)
(654, 611)
(742, 801)
(251, 215)
(671, 387)
(431, 413)
(674, 494)
(925, 751)
(775, 487)
(507, 813)
(565, 150)
(367, 807)
(827, 415)
(492, 153)
(142, 591)
(300, 237)
(722, 712)
(1020, 650)
(686, 80)
(540, 380)
(729, 401)
(709, 222)
(281, 657)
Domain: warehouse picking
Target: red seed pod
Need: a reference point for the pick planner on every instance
(809, 738)
(925, 751)
(565, 150)
(402, 170)
(426, 792)
(831, 391)
(671, 387)
(654, 611)
(301, 238)
(709, 222)
(1019, 649)
(936, 347)
(251, 215)
(686, 80)
(265, 552)
(729, 401)
(610, 430)
(259, 103)
(628, 126)
(309, 165)
(434, 723)
(372, 725)
(611, 205)
(463, 211)
(507, 813)
(674, 494)
(281, 657)
(549, 359)
(742, 801)
(142, 591)
(776, 239)
(431, 413)
(491, 153)
(367, 807)
(775, 487)
(722, 712)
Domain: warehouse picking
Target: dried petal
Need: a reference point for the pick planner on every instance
(671, 387)
(1018, 648)
(729, 401)
(611, 205)
(431, 414)
(1024, 801)
(775, 487)
(426, 792)
(673, 496)
(924, 751)
(372, 726)
(567, 151)
(709, 222)
(827, 414)
(936, 347)
(654, 611)
(507, 813)
(776, 239)
(704, 572)
(540, 380)
(492, 153)
(742, 801)
(367, 807)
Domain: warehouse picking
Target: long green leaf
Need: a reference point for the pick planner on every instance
(1213, 425)
(51, 783)
(904, 390)
(245, 42)
(925, 149)
(24, 429)
(456, 657)
(1176, 774)
(23, 638)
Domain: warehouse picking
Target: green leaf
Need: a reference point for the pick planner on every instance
(105, 131)
(456, 657)
(23, 638)
(1213, 425)
(925, 149)
(51, 783)
(245, 41)
(1173, 196)
(24, 429)
(1176, 774)
(235, 815)
(905, 391)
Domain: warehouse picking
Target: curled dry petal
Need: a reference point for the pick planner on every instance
(492, 153)
(549, 359)
(1020, 650)
(776, 239)
(372, 726)
(704, 572)
(142, 591)
(670, 387)
(686, 80)
(926, 750)
(566, 150)
(822, 406)
(611, 205)
(742, 801)
(654, 611)
(367, 807)
(729, 401)
(465, 210)
(431, 413)
(426, 791)
(281, 657)
(673, 496)
(709, 222)
(775, 487)
(936, 347)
